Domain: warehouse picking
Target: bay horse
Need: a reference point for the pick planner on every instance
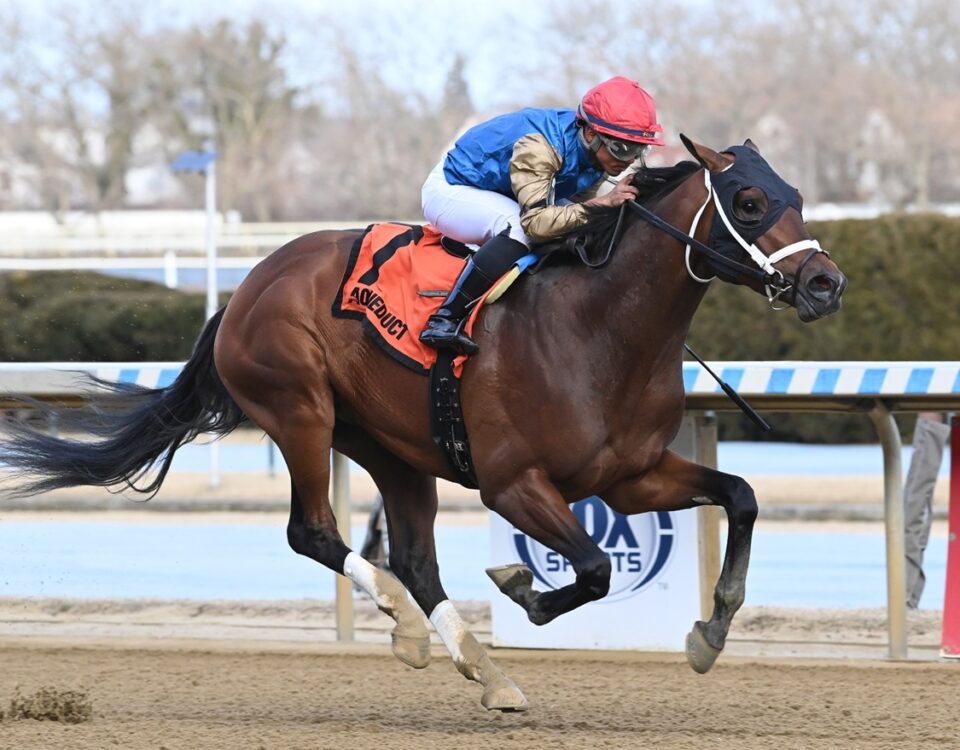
(577, 391)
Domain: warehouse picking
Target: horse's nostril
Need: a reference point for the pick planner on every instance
(822, 284)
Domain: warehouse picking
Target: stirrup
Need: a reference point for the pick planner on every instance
(452, 338)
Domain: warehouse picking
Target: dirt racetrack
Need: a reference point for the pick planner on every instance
(277, 696)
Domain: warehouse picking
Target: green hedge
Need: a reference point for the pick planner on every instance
(904, 274)
(75, 317)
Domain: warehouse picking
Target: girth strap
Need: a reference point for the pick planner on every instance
(446, 420)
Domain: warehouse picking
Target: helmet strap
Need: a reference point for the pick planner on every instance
(591, 146)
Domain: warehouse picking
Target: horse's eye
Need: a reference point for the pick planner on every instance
(750, 209)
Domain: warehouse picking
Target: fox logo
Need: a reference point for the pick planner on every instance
(639, 547)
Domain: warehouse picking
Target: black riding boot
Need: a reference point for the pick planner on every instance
(444, 328)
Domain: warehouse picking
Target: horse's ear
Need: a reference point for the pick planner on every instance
(751, 145)
(708, 158)
(692, 148)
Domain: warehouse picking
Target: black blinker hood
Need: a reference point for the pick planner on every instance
(749, 170)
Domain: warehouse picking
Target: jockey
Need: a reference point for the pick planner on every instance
(531, 176)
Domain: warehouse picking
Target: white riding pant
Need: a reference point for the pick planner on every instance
(469, 214)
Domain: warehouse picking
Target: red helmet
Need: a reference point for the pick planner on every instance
(620, 108)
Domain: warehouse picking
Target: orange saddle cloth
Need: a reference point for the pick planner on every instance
(397, 276)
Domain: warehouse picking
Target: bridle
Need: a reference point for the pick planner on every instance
(775, 283)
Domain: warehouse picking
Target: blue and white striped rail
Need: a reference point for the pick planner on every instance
(857, 379)
(902, 386)
(59, 379)
(826, 386)
(153, 375)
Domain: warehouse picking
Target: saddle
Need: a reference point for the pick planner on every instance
(397, 276)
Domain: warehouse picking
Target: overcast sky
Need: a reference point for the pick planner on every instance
(428, 35)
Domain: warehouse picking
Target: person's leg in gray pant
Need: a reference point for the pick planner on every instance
(929, 438)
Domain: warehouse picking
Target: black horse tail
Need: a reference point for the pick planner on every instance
(138, 430)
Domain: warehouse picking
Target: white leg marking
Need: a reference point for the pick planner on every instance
(473, 663)
(451, 628)
(388, 593)
(361, 573)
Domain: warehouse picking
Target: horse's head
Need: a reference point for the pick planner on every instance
(758, 222)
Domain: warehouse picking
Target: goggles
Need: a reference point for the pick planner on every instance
(623, 150)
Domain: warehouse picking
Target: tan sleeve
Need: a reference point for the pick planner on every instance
(600, 187)
(533, 166)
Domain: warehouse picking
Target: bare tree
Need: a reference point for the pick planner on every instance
(227, 83)
(586, 41)
(915, 52)
(78, 100)
(379, 140)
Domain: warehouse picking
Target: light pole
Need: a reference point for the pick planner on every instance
(205, 162)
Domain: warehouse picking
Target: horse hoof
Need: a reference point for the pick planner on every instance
(509, 577)
(504, 696)
(700, 654)
(412, 651)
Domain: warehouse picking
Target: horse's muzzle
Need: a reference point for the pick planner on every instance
(819, 295)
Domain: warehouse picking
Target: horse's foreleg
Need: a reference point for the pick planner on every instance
(535, 507)
(410, 501)
(675, 484)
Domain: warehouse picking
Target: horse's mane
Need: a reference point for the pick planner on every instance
(652, 183)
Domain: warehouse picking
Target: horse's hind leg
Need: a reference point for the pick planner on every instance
(410, 500)
(410, 638)
(312, 531)
(293, 403)
(675, 484)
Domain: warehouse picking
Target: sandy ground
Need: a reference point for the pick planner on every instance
(228, 674)
(162, 694)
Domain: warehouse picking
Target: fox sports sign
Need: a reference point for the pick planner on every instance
(640, 549)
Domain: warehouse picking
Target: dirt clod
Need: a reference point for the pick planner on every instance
(52, 704)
